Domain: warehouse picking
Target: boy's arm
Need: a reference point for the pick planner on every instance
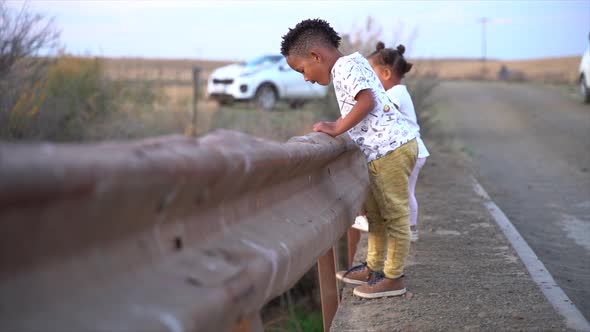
(365, 101)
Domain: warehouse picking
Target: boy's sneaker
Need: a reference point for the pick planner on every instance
(361, 223)
(413, 235)
(356, 275)
(380, 286)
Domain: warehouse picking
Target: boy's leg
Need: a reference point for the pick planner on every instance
(377, 246)
(394, 184)
(398, 247)
(392, 196)
(376, 238)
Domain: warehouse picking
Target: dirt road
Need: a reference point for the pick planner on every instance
(530, 146)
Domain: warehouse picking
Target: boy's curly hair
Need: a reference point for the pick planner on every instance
(309, 33)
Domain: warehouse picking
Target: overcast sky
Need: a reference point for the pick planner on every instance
(230, 30)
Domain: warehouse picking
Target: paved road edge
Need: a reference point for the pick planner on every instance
(554, 294)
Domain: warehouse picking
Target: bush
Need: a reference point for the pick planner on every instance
(73, 101)
(71, 95)
(421, 90)
(78, 96)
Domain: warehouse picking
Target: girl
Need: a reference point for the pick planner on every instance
(390, 67)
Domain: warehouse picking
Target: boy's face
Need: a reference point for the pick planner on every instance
(312, 68)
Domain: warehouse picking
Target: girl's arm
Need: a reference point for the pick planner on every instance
(365, 102)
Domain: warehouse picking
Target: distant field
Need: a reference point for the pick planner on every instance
(546, 70)
(555, 70)
(155, 96)
(175, 75)
(158, 69)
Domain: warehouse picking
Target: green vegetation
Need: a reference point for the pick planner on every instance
(298, 319)
(280, 124)
(305, 321)
(73, 101)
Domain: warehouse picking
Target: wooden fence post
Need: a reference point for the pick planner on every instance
(328, 287)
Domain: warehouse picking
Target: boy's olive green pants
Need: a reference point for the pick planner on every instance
(388, 211)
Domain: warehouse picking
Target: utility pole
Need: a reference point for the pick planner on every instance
(483, 22)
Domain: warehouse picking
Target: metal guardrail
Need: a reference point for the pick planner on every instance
(169, 234)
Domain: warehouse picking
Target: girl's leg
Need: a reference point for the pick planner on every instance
(360, 222)
(413, 202)
(362, 211)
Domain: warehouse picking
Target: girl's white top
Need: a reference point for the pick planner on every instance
(384, 129)
(401, 94)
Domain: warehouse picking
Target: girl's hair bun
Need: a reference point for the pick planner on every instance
(379, 46)
(408, 67)
(401, 49)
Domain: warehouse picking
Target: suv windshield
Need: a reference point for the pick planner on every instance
(264, 60)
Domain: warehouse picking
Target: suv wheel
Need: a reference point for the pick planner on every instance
(584, 90)
(266, 97)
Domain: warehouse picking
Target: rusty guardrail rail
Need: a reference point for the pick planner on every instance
(169, 234)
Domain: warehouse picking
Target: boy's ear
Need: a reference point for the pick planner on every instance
(315, 55)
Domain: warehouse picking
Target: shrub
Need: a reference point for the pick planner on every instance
(70, 95)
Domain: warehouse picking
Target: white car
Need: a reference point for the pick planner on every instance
(264, 81)
(584, 78)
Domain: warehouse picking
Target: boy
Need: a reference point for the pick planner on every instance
(377, 127)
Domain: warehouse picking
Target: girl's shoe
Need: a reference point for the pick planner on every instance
(361, 223)
(380, 286)
(413, 235)
(356, 275)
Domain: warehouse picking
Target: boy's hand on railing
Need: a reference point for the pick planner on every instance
(326, 127)
(365, 102)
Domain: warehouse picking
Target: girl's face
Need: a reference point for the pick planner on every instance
(383, 73)
(311, 67)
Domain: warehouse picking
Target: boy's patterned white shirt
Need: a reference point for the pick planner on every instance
(384, 129)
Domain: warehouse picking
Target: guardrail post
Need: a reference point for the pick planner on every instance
(196, 77)
(354, 236)
(328, 287)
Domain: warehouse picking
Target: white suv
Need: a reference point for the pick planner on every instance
(263, 80)
(584, 78)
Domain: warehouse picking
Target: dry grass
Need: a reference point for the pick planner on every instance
(179, 70)
(175, 76)
(548, 70)
(562, 69)
(172, 111)
(149, 97)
